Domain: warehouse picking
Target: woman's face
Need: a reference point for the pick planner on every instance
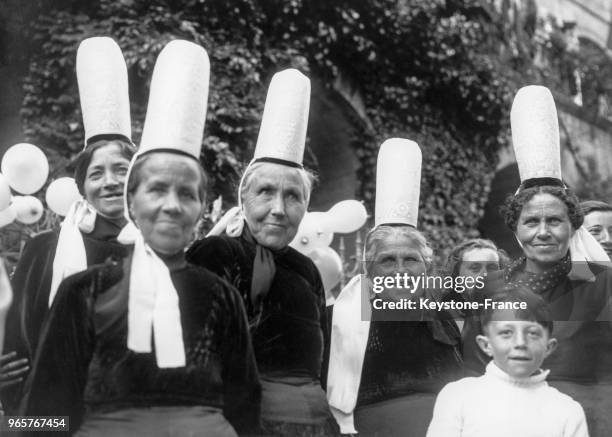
(478, 261)
(544, 231)
(395, 255)
(274, 204)
(104, 179)
(599, 224)
(166, 204)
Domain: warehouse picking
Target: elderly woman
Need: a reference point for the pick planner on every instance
(88, 235)
(406, 362)
(384, 374)
(280, 287)
(598, 221)
(546, 219)
(199, 376)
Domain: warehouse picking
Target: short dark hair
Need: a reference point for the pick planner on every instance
(83, 160)
(537, 310)
(514, 204)
(134, 178)
(590, 206)
(453, 261)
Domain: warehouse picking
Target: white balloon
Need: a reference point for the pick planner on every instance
(61, 194)
(7, 216)
(329, 264)
(312, 233)
(28, 209)
(25, 167)
(5, 193)
(346, 216)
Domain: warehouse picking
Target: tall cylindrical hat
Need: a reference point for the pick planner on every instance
(398, 182)
(535, 133)
(177, 100)
(103, 88)
(282, 135)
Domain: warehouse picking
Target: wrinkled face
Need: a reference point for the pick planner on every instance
(518, 347)
(104, 179)
(599, 224)
(274, 204)
(397, 254)
(544, 231)
(478, 262)
(166, 204)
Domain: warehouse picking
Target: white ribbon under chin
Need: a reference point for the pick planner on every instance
(153, 304)
(349, 338)
(70, 256)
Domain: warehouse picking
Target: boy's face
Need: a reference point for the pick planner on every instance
(518, 347)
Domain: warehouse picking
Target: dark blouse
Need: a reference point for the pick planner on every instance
(291, 334)
(404, 357)
(83, 360)
(31, 284)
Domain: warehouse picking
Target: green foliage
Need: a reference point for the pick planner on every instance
(423, 68)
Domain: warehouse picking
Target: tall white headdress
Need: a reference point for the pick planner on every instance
(103, 89)
(535, 133)
(398, 182)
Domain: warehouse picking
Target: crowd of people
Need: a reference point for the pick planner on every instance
(126, 325)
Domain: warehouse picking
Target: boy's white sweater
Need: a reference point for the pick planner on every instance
(498, 405)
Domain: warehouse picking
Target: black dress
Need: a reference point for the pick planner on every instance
(581, 366)
(406, 364)
(290, 335)
(31, 284)
(83, 368)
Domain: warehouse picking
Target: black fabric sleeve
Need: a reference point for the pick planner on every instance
(213, 253)
(325, 326)
(30, 283)
(59, 370)
(242, 397)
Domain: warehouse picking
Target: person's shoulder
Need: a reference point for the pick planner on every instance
(562, 401)
(97, 278)
(219, 245)
(301, 263)
(43, 240)
(463, 388)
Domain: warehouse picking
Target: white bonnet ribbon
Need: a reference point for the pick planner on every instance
(70, 256)
(153, 304)
(232, 221)
(584, 247)
(349, 338)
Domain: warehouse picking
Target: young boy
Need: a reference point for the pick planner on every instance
(512, 398)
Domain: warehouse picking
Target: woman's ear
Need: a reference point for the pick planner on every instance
(484, 344)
